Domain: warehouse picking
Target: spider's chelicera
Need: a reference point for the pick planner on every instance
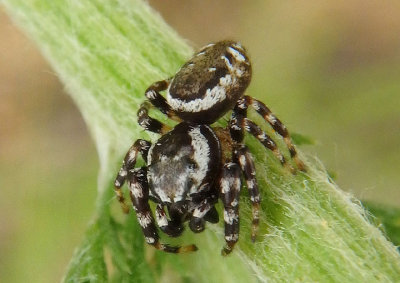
(193, 165)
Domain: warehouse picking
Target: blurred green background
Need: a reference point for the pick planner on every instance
(329, 69)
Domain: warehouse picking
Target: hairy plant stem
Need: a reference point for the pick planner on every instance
(106, 53)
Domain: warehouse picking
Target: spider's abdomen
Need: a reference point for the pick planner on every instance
(183, 162)
(210, 83)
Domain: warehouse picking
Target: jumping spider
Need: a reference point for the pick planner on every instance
(194, 164)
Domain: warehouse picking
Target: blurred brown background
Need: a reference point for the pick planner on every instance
(329, 69)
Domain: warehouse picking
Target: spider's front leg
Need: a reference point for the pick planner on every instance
(139, 192)
(129, 163)
(229, 193)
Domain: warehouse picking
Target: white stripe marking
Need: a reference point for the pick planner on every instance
(235, 53)
(136, 190)
(232, 238)
(230, 216)
(199, 212)
(144, 219)
(149, 240)
(213, 96)
(161, 219)
(201, 155)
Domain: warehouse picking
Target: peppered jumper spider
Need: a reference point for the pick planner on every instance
(193, 165)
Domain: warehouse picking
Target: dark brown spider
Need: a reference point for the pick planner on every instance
(193, 165)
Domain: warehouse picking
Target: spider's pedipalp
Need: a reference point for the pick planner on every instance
(172, 229)
(197, 222)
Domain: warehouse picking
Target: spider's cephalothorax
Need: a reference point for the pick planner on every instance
(193, 165)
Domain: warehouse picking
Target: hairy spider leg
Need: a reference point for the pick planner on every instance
(239, 123)
(170, 228)
(242, 156)
(266, 141)
(139, 192)
(236, 123)
(278, 126)
(157, 100)
(149, 123)
(230, 185)
(128, 163)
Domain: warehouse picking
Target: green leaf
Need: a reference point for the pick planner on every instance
(300, 139)
(88, 263)
(388, 217)
(106, 53)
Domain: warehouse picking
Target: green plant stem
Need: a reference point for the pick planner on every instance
(388, 217)
(106, 53)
